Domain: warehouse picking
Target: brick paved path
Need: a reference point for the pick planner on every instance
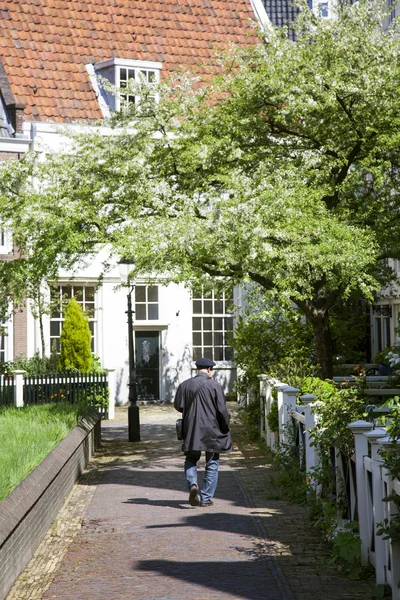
(128, 532)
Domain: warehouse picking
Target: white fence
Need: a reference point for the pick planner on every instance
(364, 480)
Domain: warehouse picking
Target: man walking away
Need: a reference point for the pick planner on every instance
(205, 428)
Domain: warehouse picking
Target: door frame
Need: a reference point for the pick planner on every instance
(159, 328)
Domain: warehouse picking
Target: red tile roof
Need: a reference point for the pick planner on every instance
(45, 44)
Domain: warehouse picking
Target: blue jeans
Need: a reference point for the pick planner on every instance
(210, 480)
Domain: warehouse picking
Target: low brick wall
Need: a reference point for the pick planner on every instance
(27, 513)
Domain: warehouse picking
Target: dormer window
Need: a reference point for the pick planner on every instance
(321, 8)
(120, 72)
(126, 75)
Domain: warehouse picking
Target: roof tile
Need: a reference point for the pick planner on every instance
(45, 44)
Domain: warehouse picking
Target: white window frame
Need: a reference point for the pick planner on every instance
(93, 322)
(6, 246)
(212, 297)
(6, 341)
(146, 303)
(138, 66)
(316, 5)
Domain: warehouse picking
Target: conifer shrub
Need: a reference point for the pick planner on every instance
(75, 340)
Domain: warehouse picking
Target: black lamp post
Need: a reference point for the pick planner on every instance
(133, 409)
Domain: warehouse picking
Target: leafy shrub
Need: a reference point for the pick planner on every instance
(273, 416)
(267, 332)
(36, 365)
(346, 551)
(75, 340)
(250, 416)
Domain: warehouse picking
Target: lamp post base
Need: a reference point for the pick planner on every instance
(133, 423)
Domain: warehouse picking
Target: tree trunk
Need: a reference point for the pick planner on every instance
(323, 342)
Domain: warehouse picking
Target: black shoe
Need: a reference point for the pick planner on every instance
(208, 503)
(194, 497)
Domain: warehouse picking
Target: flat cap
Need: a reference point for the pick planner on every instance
(205, 363)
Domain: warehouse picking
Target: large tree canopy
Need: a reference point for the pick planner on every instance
(282, 170)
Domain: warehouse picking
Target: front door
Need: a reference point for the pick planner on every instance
(147, 355)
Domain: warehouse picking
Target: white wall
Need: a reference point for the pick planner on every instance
(175, 309)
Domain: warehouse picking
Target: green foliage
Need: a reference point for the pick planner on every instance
(75, 340)
(250, 417)
(273, 416)
(35, 365)
(337, 408)
(290, 479)
(391, 459)
(266, 334)
(293, 371)
(28, 434)
(382, 590)
(381, 357)
(281, 171)
(347, 549)
(99, 399)
(349, 321)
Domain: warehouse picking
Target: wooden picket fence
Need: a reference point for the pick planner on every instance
(362, 480)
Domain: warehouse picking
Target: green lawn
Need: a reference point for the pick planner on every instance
(27, 435)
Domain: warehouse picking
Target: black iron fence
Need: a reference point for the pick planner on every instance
(65, 387)
(6, 390)
(56, 387)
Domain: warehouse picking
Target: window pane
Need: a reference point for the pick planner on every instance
(228, 353)
(55, 310)
(153, 311)
(140, 314)
(54, 328)
(207, 338)
(218, 324)
(196, 294)
(207, 324)
(208, 353)
(197, 353)
(208, 307)
(140, 293)
(66, 292)
(152, 292)
(229, 305)
(218, 338)
(196, 339)
(197, 307)
(229, 323)
(151, 76)
(196, 324)
(218, 307)
(89, 294)
(89, 311)
(78, 293)
(218, 353)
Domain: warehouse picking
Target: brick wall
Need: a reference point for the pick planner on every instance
(20, 325)
(11, 155)
(26, 514)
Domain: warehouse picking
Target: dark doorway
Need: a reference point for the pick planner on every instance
(147, 350)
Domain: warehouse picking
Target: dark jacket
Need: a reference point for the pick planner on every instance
(206, 418)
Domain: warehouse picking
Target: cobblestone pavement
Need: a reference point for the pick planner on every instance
(127, 531)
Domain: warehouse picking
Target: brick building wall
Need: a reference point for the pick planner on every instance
(20, 333)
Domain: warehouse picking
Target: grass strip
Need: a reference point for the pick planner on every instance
(28, 435)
